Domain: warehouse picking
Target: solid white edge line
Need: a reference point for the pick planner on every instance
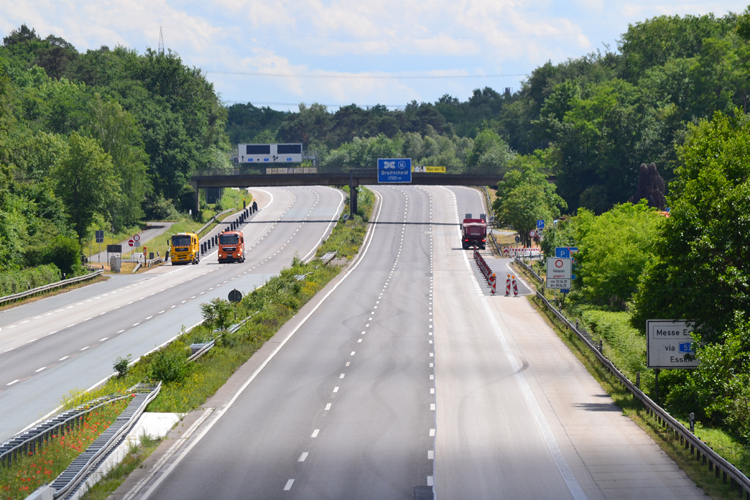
(104, 380)
(536, 410)
(260, 368)
(317, 245)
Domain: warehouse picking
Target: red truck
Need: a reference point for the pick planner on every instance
(473, 232)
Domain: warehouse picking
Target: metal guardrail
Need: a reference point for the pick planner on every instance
(51, 286)
(702, 451)
(199, 349)
(212, 219)
(35, 438)
(65, 484)
(529, 269)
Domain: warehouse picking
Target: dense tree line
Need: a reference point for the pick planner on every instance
(597, 117)
(103, 138)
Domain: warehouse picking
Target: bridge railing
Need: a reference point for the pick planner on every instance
(285, 169)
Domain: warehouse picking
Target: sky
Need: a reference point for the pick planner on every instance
(280, 53)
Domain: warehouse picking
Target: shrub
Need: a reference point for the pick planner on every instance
(170, 364)
(122, 366)
(19, 281)
(65, 253)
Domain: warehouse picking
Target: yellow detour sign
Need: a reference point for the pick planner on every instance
(428, 170)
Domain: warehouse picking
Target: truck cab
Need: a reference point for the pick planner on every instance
(185, 249)
(231, 247)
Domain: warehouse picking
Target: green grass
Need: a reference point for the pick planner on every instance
(116, 476)
(348, 235)
(91, 247)
(31, 471)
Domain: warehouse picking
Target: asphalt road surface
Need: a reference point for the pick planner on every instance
(405, 376)
(52, 346)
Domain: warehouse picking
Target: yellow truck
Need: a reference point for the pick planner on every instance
(185, 249)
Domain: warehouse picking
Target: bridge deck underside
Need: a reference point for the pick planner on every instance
(338, 179)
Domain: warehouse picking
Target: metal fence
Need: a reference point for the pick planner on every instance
(529, 269)
(715, 462)
(51, 286)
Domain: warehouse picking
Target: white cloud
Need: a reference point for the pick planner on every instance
(340, 38)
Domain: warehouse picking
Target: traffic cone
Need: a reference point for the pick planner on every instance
(507, 286)
(515, 287)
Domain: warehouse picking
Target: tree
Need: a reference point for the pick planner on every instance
(613, 250)
(119, 135)
(85, 180)
(524, 196)
(651, 187)
(703, 271)
(489, 150)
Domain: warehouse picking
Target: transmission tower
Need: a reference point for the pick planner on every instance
(161, 41)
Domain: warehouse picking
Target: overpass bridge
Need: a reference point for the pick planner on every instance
(336, 176)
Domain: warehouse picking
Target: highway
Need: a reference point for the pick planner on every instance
(404, 376)
(70, 341)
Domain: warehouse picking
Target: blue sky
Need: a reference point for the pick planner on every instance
(285, 52)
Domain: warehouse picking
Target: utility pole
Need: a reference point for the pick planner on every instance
(161, 41)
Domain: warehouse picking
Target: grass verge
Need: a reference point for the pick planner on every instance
(115, 477)
(31, 471)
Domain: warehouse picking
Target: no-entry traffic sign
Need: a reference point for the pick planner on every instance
(131, 242)
(558, 273)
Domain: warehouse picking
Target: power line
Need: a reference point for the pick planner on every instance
(364, 106)
(513, 34)
(368, 77)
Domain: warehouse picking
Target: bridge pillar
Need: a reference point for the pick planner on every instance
(196, 197)
(352, 196)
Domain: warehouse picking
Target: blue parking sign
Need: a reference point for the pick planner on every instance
(540, 224)
(394, 170)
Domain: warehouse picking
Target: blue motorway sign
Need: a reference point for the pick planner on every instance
(394, 170)
(540, 224)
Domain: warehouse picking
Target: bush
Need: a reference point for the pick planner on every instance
(122, 366)
(65, 253)
(217, 314)
(19, 281)
(170, 364)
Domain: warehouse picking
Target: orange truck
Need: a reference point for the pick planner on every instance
(231, 247)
